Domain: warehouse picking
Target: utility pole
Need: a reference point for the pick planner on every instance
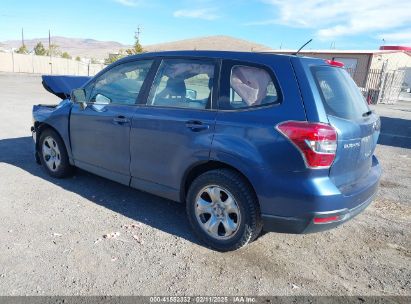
(137, 33)
(49, 45)
(51, 64)
(22, 36)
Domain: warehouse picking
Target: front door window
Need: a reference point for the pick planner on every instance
(121, 84)
(183, 84)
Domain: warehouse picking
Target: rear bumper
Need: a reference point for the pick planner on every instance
(307, 225)
(345, 208)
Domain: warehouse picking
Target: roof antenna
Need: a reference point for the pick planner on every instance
(296, 53)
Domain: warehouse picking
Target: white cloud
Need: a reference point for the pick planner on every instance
(128, 2)
(336, 18)
(205, 14)
(398, 37)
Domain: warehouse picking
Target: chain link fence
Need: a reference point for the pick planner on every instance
(379, 85)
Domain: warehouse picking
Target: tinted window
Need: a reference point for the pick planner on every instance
(183, 84)
(341, 96)
(250, 87)
(120, 84)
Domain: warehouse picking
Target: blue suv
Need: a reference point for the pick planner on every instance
(248, 141)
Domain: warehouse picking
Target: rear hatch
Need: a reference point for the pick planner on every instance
(357, 127)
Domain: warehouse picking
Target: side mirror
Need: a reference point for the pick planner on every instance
(79, 96)
(191, 94)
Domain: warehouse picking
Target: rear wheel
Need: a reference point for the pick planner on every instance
(223, 210)
(53, 154)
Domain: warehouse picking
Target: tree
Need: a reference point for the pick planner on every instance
(65, 55)
(78, 58)
(22, 50)
(136, 49)
(113, 57)
(40, 50)
(53, 50)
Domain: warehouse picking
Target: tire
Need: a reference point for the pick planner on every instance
(222, 223)
(53, 154)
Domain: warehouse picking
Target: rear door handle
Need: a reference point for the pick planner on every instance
(196, 126)
(120, 120)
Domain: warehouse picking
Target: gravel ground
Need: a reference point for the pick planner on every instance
(52, 243)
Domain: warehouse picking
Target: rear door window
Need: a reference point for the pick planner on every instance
(247, 86)
(340, 95)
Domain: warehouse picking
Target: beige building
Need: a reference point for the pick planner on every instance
(363, 64)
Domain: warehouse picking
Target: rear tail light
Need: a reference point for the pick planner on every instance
(316, 142)
(325, 220)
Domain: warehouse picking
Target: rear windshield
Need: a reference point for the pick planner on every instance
(341, 96)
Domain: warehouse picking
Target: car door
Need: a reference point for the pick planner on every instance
(100, 133)
(174, 128)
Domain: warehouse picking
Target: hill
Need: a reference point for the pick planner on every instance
(90, 48)
(224, 43)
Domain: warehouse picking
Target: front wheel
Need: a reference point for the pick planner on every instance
(223, 210)
(53, 154)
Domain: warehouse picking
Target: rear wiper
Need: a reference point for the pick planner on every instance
(367, 114)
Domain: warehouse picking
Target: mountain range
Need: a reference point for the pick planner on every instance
(91, 48)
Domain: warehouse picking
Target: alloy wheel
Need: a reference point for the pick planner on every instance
(51, 153)
(217, 212)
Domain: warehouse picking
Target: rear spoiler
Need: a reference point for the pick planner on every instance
(62, 86)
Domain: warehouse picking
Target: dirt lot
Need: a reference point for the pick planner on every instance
(52, 243)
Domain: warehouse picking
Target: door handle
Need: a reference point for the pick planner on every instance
(121, 120)
(196, 126)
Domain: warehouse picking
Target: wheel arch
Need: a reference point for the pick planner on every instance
(40, 127)
(196, 170)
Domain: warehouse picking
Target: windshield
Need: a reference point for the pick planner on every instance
(341, 96)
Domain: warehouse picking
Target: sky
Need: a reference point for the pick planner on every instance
(345, 24)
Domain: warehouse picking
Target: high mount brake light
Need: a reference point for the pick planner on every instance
(335, 63)
(316, 142)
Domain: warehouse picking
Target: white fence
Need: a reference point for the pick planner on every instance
(12, 62)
